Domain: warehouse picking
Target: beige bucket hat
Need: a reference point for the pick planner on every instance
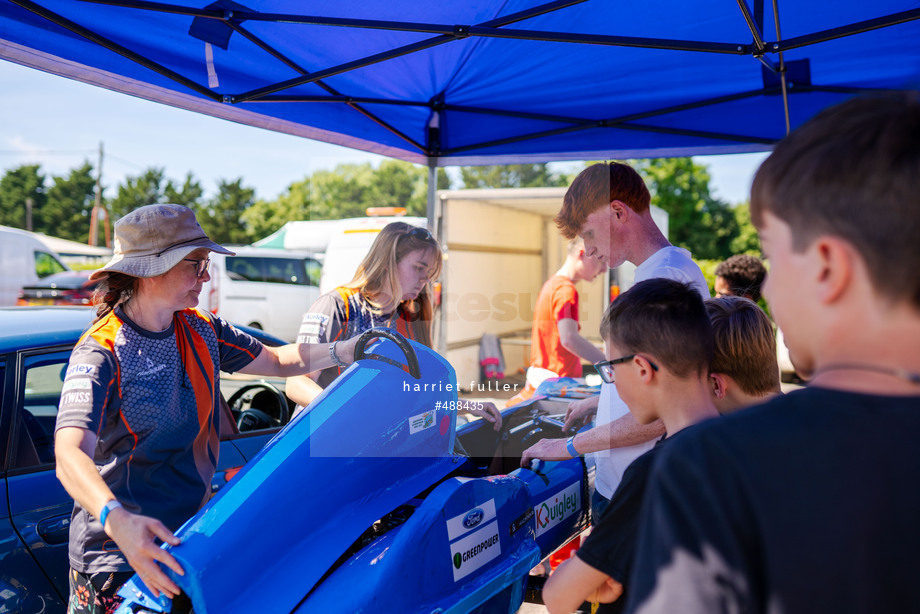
(153, 239)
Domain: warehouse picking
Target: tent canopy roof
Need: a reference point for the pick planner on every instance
(485, 81)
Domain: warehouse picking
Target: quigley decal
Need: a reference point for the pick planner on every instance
(560, 506)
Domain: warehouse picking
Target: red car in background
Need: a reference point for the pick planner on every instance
(64, 288)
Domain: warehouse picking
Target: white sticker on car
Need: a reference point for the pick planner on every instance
(470, 519)
(475, 550)
(421, 422)
(557, 508)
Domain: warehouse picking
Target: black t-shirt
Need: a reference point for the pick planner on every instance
(611, 545)
(807, 504)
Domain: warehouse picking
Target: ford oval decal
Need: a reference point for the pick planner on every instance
(473, 518)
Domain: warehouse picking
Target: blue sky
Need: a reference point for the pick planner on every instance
(58, 123)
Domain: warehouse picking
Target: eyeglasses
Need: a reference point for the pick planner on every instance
(421, 233)
(201, 265)
(605, 368)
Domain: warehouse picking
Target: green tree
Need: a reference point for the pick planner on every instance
(16, 188)
(346, 191)
(265, 217)
(69, 204)
(399, 184)
(222, 216)
(144, 189)
(188, 194)
(349, 189)
(511, 176)
(747, 241)
(697, 220)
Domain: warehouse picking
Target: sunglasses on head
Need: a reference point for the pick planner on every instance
(421, 233)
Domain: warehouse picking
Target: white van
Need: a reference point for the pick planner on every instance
(269, 289)
(23, 261)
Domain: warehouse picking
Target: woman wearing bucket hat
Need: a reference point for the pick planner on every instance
(137, 433)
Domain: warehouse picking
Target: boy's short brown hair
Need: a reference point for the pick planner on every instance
(598, 186)
(665, 319)
(853, 171)
(745, 344)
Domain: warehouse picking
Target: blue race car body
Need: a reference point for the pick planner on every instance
(374, 502)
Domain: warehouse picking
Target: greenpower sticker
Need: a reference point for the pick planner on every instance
(554, 510)
(475, 550)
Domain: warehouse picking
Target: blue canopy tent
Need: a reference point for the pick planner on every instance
(484, 81)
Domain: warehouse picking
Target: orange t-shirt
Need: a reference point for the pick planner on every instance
(557, 300)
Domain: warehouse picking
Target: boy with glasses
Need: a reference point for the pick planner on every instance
(809, 503)
(659, 346)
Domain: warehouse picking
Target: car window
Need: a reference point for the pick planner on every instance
(314, 270)
(294, 271)
(41, 379)
(285, 271)
(46, 264)
(243, 269)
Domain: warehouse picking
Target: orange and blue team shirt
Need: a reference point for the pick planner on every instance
(152, 401)
(342, 314)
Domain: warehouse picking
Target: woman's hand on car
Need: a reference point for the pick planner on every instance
(136, 537)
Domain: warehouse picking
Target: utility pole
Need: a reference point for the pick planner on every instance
(99, 212)
(29, 204)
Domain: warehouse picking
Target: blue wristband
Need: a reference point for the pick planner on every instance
(106, 509)
(570, 446)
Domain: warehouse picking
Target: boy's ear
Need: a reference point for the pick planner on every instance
(835, 261)
(719, 385)
(619, 210)
(646, 372)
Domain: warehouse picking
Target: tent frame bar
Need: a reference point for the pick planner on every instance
(457, 33)
(115, 47)
(754, 23)
(334, 92)
(856, 28)
(490, 29)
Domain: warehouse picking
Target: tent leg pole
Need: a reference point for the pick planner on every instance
(782, 66)
(434, 223)
(431, 212)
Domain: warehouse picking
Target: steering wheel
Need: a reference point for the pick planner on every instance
(411, 368)
(254, 418)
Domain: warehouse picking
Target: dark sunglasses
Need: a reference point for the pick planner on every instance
(201, 265)
(422, 234)
(605, 368)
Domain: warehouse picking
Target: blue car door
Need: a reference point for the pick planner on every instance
(33, 502)
(39, 507)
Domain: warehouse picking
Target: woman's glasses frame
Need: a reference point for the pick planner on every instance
(201, 265)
